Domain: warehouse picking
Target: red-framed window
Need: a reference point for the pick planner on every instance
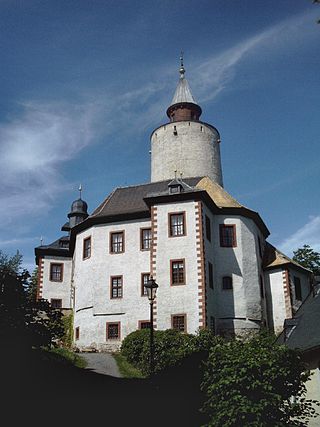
(113, 330)
(144, 279)
(56, 303)
(145, 239)
(86, 248)
(179, 322)
(56, 272)
(228, 235)
(117, 242)
(178, 276)
(177, 224)
(116, 284)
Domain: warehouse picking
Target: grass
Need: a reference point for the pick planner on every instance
(125, 368)
(69, 356)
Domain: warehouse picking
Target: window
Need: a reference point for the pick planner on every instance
(86, 248)
(297, 288)
(210, 268)
(77, 332)
(56, 303)
(228, 236)
(208, 228)
(260, 247)
(116, 287)
(177, 224)
(178, 322)
(261, 287)
(145, 239)
(144, 279)
(113, 331)
(177, 272)
(212, 324)
(144, 324)
(227, 282)
(56, 272)
(117, 242)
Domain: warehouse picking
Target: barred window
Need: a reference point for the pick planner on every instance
(56, 272)
(177, 272)
(178, 322)
(56, 303)
(144, 280)
(116, 287)
(227, 282)
(145, 239)
(86, 248)
(176, 224)
(113, 331)
(117, 242)
(144, 324)
(228, 236)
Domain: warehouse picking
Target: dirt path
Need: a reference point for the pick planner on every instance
(102, 363)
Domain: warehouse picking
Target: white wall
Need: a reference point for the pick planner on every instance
(57, 290)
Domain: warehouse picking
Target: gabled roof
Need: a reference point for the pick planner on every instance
(273, 258)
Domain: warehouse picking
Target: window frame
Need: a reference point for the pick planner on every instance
(140, 322)
(297, 280)
(118, 338)
(83, 248)
(208, 228)
(184, 315)
(170, 215)
(61, 272)
(56, 299)
(223, 284)
(210, 275)
(223, 227)
(142, 240)
(172, 261)
(112, 233)
(111, 286)
(143, 294)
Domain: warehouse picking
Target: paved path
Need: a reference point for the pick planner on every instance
(102, 363)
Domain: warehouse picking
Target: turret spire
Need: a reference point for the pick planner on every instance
(182, 69)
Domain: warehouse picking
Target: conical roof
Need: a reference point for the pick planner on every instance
(183, 92)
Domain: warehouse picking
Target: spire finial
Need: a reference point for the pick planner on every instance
(41, 241)
(80, 190)
(181, 70)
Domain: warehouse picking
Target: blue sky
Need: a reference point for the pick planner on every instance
(84, 83)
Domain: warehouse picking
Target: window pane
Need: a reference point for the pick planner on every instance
(177, 224)
(56, 272)
(144, 279)
(116, 287)
(117, 242)
(177, 268)
(297, 288)
(146, 238)
(178, 323)
(227, 235)
(113, 331)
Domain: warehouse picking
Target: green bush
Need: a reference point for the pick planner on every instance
(170, 347)
(252, 382)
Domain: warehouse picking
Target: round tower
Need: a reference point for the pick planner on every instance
(185, 144)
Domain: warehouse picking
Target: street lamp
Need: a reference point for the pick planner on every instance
(151, 288)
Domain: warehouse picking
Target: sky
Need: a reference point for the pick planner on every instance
(83, 84)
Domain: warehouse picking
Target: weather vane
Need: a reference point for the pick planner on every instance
(80, 190)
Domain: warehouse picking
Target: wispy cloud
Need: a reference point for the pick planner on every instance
(309, 234)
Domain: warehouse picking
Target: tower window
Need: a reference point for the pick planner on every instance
(117, 242)
(177, 272)
(179, 322)
(227, 283)
(210, 268)
(177, 224)
(228, 236)
(175, 130)
(145, 239)
(208, 228)
(116, 287)
(113, 331)
(56, 272)
(86, 248)
(297, 288)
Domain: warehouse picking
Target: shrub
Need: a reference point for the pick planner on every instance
(170, 348)
(251, 383)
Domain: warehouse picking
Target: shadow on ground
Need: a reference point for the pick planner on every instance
(41, 390)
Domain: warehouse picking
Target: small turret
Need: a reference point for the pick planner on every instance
(77, 214)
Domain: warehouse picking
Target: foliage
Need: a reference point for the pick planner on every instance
(125, 368)
(65, 355)
(67, 338)
(308, 258)
(32, 323)
(31, 291)
(251, 383)
(170, 347)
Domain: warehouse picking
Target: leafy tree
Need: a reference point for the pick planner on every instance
(252, 383)
(308, 258)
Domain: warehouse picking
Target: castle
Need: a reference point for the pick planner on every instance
(206, 251)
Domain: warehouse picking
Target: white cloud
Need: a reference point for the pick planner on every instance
(309, 234)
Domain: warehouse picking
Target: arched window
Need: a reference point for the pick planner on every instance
(227, 282)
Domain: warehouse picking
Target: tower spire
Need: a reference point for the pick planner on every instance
(80, 191)
(182, 69)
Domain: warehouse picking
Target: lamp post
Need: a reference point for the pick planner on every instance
(151, 287)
